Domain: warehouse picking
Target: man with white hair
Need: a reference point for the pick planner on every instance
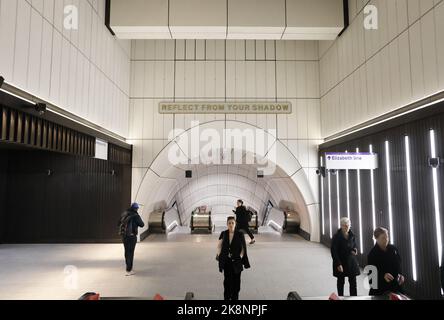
(344, 251)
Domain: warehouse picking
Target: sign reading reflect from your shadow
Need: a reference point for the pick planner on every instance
(351, 161)
(225, 107)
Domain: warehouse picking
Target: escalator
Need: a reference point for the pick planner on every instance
(201, 220)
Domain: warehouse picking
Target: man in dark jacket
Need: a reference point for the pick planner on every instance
(343, 252)
(129, 223)
(386, 259)
(243, 220)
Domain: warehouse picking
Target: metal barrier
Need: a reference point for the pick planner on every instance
(254, 222)
(294, 296)
(156, 222)
(292, 222)
(92, 296)
(201, 220)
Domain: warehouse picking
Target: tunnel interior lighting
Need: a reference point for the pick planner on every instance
(436, 197)
(389, 190)
(361, 246)
(410, 202)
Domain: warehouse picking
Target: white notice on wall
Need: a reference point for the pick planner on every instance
(351, 161)
(101, 149)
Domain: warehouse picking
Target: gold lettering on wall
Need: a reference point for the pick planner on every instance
(225, 107)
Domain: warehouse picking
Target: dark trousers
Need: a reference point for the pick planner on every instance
(353, 287)
(232, 282)
(129, 242)
(246, 229)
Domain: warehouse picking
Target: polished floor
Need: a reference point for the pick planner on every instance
(170, 266)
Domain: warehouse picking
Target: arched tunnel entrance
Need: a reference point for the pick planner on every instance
(216, 184)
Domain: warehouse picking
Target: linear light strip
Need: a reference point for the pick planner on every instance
(360, 210)
(338, 199)
(372, 182)
(18, 97)
(348, 191)
(328, 139)
(322, 199)
(329, 204)
(436, 197)
(410, 202)
(389, 191)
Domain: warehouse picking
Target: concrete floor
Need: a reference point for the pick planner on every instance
(169, 265)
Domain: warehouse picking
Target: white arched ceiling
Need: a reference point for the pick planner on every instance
(219, 186)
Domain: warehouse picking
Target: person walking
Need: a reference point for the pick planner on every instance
(243, 220)
(129, 225)
(344, 252)
(385, 257)
(232, 257)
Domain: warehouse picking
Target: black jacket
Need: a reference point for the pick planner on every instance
(387, 261)
(241, 216)
(134, 223)
(341, 252)
(235, 248)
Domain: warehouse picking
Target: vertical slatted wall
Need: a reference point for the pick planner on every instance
(21, 128)
(428, 281)
(81, 201)
(3, 183)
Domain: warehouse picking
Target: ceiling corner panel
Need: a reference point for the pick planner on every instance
(256, 19)
(314, 19)
(198, 19)
(296, 34)
(140, 19)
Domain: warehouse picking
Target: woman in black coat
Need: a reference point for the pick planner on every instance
(344, 252)
(232, 257)
(386, 259)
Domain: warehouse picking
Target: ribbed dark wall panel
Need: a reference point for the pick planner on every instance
(427, 285)
(3, 182)
(81, 201)
(22, 129)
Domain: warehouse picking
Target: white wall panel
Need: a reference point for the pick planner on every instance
(8, 15)
(439, 27)
(35, 44)
(42, 57)
(402, 63)
(200, 71)
(21, 52)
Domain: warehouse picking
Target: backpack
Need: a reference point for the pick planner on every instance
(123, 224)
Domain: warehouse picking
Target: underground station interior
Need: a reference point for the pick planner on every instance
(220, 150)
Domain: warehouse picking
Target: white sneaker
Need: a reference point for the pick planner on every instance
(131, 273)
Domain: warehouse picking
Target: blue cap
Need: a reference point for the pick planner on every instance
(135, 205)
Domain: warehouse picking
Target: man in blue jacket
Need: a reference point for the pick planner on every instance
(129, 225)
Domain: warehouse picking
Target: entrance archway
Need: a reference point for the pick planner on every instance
(164, 183)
